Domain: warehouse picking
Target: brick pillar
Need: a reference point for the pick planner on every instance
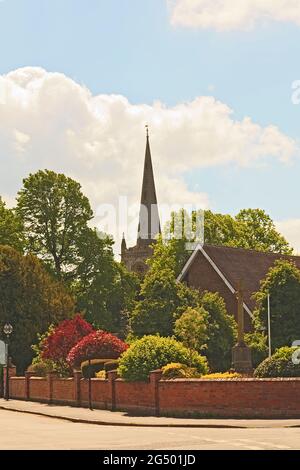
(77, 387)
(112, 376)
(50, 378)
(28, 375)
(155, 377)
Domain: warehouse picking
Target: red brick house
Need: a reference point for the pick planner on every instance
(219, 268)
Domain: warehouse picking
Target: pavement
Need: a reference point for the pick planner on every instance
(118, 418)
(26, 431)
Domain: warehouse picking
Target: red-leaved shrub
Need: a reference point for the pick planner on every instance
(97, 345)
(67, 334)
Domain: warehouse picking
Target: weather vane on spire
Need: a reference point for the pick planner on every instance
(147, 129)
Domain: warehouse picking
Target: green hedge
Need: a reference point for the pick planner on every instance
(154, 352)
(279, 365)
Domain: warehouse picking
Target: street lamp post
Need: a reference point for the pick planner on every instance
(7, 330)
(90, 387)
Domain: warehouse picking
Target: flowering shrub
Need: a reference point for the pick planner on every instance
(176, 370)
(101, 374)
(56, 344)
(97, 345)
(222, 375)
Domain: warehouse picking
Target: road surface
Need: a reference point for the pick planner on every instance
(25, 431)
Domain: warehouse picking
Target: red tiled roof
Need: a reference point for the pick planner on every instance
(247, 265)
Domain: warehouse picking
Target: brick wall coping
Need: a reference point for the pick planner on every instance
(199, 380)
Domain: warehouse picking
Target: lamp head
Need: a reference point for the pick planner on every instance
(8, 329)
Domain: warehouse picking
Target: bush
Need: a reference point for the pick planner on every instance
(191, 328)
(101, 374)
(222, 375)
(279, 365)
(62, 338)
(153, 352)
(175, 370)
(97, 345)
(41, 369)
(221, 332)
(257, 342)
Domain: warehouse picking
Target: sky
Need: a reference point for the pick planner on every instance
(79, 79)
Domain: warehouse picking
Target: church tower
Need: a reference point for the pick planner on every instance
(149, 224)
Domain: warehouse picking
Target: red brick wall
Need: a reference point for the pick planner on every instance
(202, 276)
(38, 388)
(100, 393)
(134, 395)
(232, 398)
(17, 387)
(63, 390)
(239, 398)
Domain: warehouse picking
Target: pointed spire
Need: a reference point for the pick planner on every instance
(149, 224)
(123, 244)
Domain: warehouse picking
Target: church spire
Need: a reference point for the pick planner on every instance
(149, 224)
(123, 244)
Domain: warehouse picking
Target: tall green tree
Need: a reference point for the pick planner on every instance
(209, 329)
(55, 215)
(282, 283)
(220, 229)
(30, 300)
(256, 230)
(221, 332)
(162, 298)
(107, 296)
(250, 228)
(11, 229)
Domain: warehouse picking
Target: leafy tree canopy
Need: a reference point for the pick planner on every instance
(11, 230)
(56, 217)
(191, 328)
(55, 214)
(250, 229)
(221, 331)
(162, 298)
(30, 300)
(283, 284)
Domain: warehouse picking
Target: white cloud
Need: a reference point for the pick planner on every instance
(49, 121)
(291, 230)
(230, 15)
